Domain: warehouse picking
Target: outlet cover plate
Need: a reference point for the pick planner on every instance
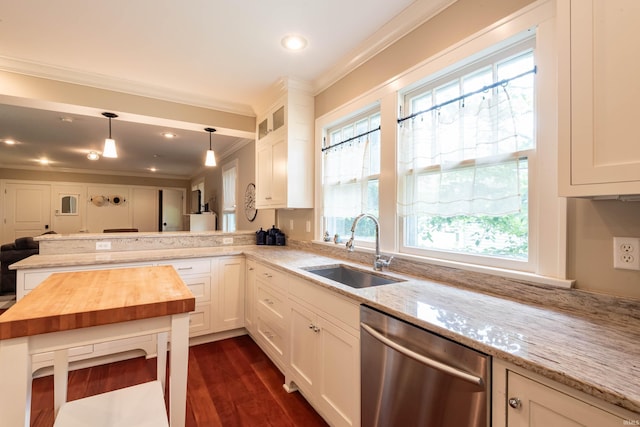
(103, 246)
(626, 253)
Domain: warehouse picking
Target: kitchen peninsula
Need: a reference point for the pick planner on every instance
(580, 343)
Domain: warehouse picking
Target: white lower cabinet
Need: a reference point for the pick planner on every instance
(228, 303)
(270, 315)
(324, 352)
(313, 336)
(523, 399)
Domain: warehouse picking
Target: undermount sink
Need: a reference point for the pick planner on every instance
(351, 276)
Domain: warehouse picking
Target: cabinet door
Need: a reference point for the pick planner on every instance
(338, 383)
(542, 406)
(604, 95)
(279, 176)
(264, 175)
(230, 305)
(303, 347)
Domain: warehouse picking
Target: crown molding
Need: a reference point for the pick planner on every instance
(402, 24)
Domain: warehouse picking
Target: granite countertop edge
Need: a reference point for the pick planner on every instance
(575, 348)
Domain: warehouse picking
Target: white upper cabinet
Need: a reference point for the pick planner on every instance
(284, 150)
(599, 92)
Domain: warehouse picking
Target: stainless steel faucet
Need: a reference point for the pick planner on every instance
(378, 263)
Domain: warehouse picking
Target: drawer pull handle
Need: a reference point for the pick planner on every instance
(268, 301)
(185, 268)
(267, 275)
(250, 268)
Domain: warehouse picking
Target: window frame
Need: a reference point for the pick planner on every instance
(225, 213)
(474, 63)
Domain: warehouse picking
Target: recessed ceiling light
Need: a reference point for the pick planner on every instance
(66, 119)
(169, 135)
(92, 155)
(9, 141)
(294, 42)
(44, 161)
(152, 169)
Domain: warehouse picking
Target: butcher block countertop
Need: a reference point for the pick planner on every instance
(83, 299)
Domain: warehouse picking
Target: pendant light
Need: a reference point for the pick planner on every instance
(109, 144)
(210, 160)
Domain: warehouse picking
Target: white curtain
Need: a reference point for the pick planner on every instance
(468, 157)
(229, 189)
(346, 169)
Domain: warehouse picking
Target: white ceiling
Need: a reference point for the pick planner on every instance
(221, 54)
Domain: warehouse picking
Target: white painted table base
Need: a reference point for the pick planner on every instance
(15, 364)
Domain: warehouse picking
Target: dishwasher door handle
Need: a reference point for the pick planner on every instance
(465, 376)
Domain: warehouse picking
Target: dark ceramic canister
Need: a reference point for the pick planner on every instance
(261, 237)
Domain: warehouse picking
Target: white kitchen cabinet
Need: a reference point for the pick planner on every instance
(271, 314)
(228, 305)
(271, 173)
(598, 92)
(284, 150)
(324, 352)
(523, 399)
(196, 274)
(249, 297)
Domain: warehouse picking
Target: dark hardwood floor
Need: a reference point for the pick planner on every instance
(230, 383)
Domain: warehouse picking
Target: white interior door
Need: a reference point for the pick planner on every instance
(172, 209)
(27, 210)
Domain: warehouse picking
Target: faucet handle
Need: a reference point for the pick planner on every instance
(349, 245)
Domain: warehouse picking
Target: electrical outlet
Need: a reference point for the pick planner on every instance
(227, 240)
(626, 253)
(103, 246)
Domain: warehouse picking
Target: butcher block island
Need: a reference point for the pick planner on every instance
(85, 307)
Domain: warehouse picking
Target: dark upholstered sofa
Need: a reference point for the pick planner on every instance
(10, 253)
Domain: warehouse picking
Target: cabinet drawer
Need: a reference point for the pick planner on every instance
(74, 351)
(190, 266)
(273, 336)
(271, 301)
(200, 287)
(200, 320)
(336, 306)
(275, 279)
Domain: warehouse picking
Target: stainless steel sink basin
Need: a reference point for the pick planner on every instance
(351, 276)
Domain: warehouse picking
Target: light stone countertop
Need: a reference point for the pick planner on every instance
(588, 342)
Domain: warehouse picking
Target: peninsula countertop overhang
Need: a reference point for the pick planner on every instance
(588, 342)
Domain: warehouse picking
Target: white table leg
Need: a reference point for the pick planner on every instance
(178, 369)
(15, 371)
(161, 359)
(60, 378)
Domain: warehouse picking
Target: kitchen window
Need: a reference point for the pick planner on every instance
(465, 146)
(229, 189)
(351, 172)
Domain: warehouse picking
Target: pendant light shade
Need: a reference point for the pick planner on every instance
(210, 160)
(109, 143)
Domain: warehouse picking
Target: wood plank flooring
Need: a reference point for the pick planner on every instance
(230, 383)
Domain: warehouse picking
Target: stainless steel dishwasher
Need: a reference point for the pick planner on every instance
(412, 377)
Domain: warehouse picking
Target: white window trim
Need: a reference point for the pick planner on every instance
(232, 164)
(550, 234)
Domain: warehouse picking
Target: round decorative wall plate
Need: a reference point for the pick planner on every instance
(250, 210)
